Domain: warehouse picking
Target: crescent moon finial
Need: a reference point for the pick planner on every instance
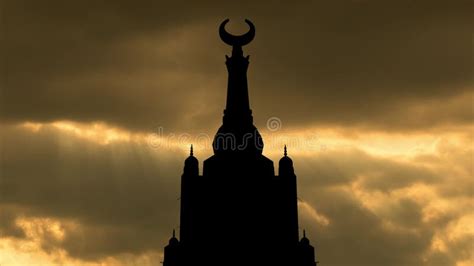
(234, 40)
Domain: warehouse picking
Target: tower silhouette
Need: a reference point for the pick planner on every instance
(238, 212)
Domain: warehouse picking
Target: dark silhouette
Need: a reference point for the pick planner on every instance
(238, 212)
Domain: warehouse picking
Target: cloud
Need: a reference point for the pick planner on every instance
(375, 99)
(404, 217)
(385, 65)
(92, 201)
(121, 197)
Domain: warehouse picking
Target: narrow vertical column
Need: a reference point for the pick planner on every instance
(289, 193)
(188, 181)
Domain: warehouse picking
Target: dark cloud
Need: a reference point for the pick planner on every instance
(388, 224)
(125, 196)
(366, 240)
(343, 166)
(383, 65)
(379, 64)
(8, 228)
(122, 198)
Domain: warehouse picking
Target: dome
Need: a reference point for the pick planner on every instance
(191, 164)
(191, 160)
(286, 160)
(173, 240)
(304, 240)
(285, 166)
(285, 157)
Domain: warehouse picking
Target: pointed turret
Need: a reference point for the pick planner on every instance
(306, 252)
(285, 164)
(304, 240)
(191, 164)
(288, 196)
(188, 185)
(172, 252)
(173, 240)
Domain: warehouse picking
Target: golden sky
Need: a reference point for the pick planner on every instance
(101, 99)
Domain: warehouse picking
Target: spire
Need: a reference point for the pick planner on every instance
(237, 105)
(191, 164)
(304, 240)
(307, 256)
(237, 121)
(285, 164)
(173, 240)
